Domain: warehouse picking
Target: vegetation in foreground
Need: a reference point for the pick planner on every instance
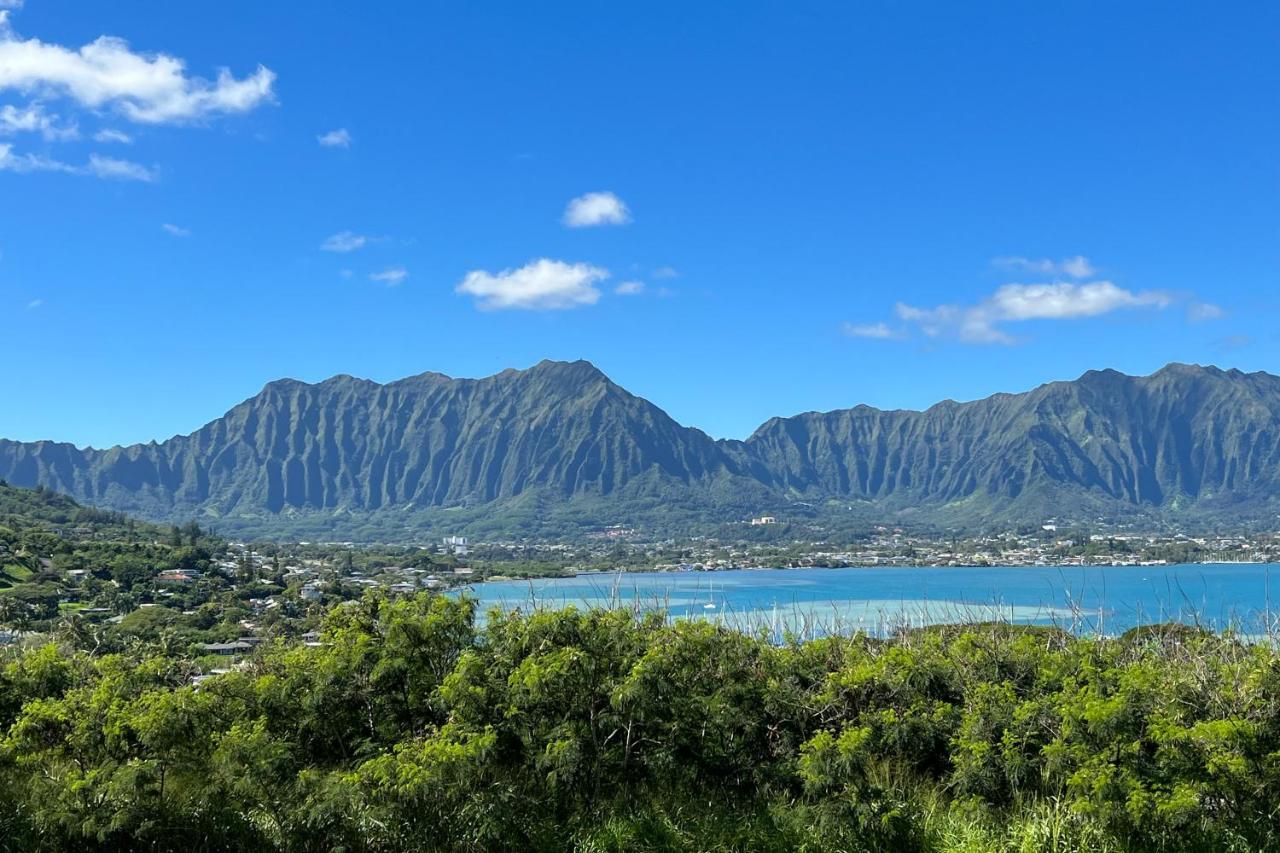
(409, 727)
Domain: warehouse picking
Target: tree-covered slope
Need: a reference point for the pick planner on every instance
(561, 440)
(22, 510)
(58, 558)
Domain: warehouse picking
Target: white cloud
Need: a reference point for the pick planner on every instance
(1199, 312)
(878, 331)
(22, 163)
(629, 288)
(1061, 301)
(175, 230)
(98, 166)
(340, 138)
(11, 4)
(122, 170)
(148, 88)
(543, 284)
(391, 276)
(33, 119)
(34, 304)
(112, 135)
(1073, 267)
(1078, 267)
(1014, 303)
(666, 272)
(593, 209)
(344, 241)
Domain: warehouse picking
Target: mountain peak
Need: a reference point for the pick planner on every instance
(580, 368)
(565, 376)
(559, 434)
(1181, 369)
(286, 383)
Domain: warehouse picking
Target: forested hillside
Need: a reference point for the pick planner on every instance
(96, 575)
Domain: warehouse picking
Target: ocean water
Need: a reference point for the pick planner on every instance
(814, 602)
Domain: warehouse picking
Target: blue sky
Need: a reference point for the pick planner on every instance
(737, 210)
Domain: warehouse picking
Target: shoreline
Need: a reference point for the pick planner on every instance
(503, 578)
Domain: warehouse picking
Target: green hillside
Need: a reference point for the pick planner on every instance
(60, 560)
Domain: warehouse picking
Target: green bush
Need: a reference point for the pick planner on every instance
(411, 728)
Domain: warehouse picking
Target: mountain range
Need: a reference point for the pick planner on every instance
(559, 448)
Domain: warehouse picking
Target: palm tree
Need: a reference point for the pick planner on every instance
(80, 633)
(14, 613)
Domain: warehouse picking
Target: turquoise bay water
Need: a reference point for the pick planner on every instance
(812, 602)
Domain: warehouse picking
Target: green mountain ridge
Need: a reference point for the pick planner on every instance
(561, 446)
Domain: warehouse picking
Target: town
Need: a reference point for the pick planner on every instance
(105, 580)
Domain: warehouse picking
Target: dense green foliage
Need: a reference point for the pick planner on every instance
(558, 451)
(408, 727)
(106, 582)
(58, 558)
(22, 510)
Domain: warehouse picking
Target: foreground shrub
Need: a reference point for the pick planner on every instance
(411, 728)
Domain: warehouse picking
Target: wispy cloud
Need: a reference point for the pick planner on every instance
(543, 285)
(1200, 312)
(113, 135)
(629, 288)
(176, 230)
(121, 170)
(391, 276)
(34, 304)
(984, 323)
(344, 241)
(98, 166)
(878, 331)
(1073, 267)
(23, 163)
(107, 74)
(666, 272)
(340, 138)
(594, 209)
(1231, 343)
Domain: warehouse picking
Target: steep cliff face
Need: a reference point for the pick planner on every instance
(1183, 436)
(427, 440)
(1182, 433)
